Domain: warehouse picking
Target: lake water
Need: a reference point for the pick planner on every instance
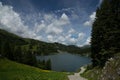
(66, 61)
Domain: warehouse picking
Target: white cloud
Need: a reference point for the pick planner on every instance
(52, 25)
(50, 28)
(88, 41)
(61, 38)
(91, 19)
(73, 40)
(49, 25)
(39, 27)
(64, 10)
(55, 27)
(70, 39)
(68, 36)
(49, 18)
(39, 38)
(81, 36)
(12, 22)
(64, 19)
(71, 31)
(50, 38)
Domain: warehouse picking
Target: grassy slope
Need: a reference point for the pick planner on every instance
(10, 70)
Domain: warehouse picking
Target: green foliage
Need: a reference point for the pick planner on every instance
(18, 54)
(10, 70)
(48, 64)
(105, 33)
(44, 64)
(30, 59)
(11, 38)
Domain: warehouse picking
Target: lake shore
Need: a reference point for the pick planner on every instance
(66, 61)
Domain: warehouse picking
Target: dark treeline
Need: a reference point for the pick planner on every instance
(15, 53)
(106, 32)
(23, 50)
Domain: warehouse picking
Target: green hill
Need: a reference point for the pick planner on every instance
(12, 38)
(38, 47)
(10, 70)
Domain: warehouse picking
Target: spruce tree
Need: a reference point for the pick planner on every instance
(18, 54)
(105, 32)
(48, 64)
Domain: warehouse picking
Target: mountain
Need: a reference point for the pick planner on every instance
(38, 47)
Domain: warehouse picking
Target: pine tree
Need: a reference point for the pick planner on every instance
(105, 32)
(30, 58)
(18, 54)
(6, 50)
(48, 64)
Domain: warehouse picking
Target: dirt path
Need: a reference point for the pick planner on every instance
(77, 76)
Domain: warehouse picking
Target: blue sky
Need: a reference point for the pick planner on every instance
(64, 21)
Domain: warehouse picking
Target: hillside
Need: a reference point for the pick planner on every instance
(10, 70)
(111, 70)
(12, 38)
(39, 47)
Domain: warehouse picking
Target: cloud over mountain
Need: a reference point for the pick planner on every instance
(50, 27)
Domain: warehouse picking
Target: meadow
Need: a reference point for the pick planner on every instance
(10, 70)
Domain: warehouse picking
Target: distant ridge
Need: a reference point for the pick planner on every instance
(40, 47)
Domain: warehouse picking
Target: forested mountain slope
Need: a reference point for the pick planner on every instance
(38, 47)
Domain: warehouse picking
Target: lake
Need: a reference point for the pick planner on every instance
(66, 61)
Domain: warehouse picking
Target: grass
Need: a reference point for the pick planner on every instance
(10, 70)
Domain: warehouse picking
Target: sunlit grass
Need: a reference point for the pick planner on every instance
(10, 70)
